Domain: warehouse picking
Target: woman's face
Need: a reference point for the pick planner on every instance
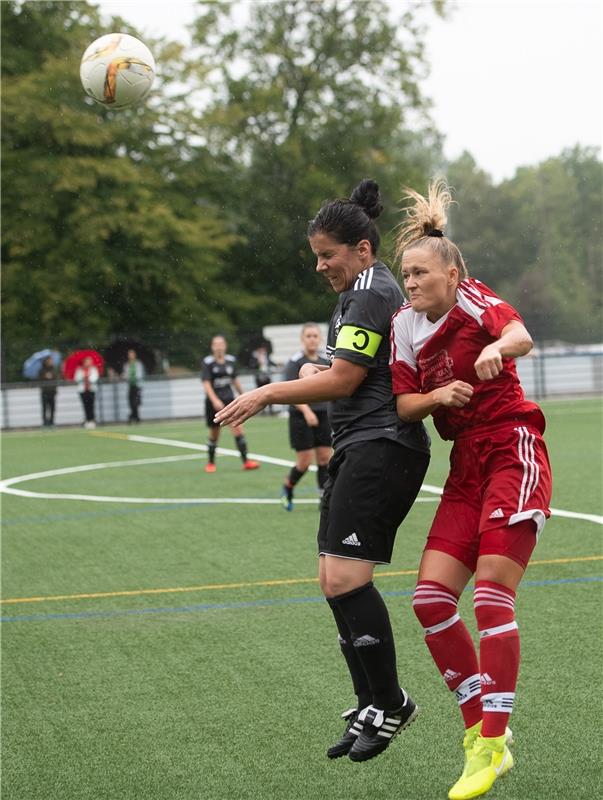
(429, 283)
(340, 263)
(218, 347)
(310, 339)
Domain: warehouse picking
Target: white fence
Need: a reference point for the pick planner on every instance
(542, 376)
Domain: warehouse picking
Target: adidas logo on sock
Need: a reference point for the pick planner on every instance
(486, 680)
(450, 675)
(352, 539)
(498, 513)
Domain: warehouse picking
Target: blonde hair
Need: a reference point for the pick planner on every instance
(426, 219)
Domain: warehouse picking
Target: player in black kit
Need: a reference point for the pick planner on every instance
(378, 465)
(219, 375)
(309, 427)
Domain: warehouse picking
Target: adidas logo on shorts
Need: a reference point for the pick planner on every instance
(498, 513)
(353, 540)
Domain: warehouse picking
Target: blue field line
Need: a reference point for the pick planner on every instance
(243, 604)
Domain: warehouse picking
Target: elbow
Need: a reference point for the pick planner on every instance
(524, 345)
(409, 417)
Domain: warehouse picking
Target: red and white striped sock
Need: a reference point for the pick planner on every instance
(450, 645)
(499, 653)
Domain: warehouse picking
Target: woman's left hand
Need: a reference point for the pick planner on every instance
(242, 407)
(489, 363)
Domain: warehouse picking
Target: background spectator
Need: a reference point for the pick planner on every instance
(86, 377)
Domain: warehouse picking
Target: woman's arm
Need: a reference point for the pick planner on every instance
(414, 407)
(341, 380)
(212, 396)
(514, 341)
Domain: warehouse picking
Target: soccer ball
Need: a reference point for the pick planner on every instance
(117, 70)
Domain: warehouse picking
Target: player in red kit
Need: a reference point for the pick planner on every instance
(453, 347)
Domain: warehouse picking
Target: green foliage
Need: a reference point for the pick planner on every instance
(536, 238)
(312, 97)
(188, 214)
(98, 236)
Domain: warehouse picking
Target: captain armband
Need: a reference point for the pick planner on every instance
(358, 340)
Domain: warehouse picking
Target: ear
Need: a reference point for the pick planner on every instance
(364, 248)
(453, 275)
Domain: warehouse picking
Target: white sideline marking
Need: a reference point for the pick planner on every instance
(6, 486)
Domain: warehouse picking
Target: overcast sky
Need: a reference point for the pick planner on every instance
(512, 81)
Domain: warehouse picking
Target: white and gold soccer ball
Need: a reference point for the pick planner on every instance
(117, 70)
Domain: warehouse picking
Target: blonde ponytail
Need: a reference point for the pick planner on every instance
(425, 222)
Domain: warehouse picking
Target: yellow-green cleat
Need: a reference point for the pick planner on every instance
(473, 732)
(485, 761)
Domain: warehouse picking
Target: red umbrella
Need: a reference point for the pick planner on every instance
(74, 360)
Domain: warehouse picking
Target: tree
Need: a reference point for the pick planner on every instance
(98, 237)
(309, 98)
(535, 238)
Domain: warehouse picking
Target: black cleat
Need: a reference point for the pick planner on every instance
(353, 728)
(379, 728)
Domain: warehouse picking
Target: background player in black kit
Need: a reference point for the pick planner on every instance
(377, 468)
(219, 375)
(309, 427)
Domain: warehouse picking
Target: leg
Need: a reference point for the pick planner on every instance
(241, 442)
(212, 443)
(131, 403)
(51, 407)
(138, 402)
(441, 581)
(347, 585)
(45, 409)
(496, 580)
(323, 456)
(303, 459)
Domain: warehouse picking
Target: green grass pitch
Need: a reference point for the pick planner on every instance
(172, 651)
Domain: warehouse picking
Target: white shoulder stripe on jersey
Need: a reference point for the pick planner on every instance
(364, 279)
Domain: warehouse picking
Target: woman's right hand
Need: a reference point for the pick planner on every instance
(218, 404)
(455, 395)
(308, 369)
(311, 418)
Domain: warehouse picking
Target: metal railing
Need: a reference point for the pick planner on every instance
(543, 375)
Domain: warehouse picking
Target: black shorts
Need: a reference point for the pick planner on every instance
(304, 437)
(210, 411)
(370, 489)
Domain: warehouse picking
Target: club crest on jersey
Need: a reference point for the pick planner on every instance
(436, 370)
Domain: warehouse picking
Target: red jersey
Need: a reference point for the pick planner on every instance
(426, 355)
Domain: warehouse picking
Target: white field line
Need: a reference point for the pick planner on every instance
(6, 486)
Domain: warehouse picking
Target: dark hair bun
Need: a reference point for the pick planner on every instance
(367, 196)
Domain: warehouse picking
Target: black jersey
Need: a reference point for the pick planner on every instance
(220, 376)
(359, 332)
(292, 373)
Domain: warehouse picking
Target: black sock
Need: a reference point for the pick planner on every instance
(362, 690)
(211, 449)
(293, 477)
(242, 445)
(321, 476)
(367, 618)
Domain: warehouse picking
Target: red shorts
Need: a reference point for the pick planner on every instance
(499, 476)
